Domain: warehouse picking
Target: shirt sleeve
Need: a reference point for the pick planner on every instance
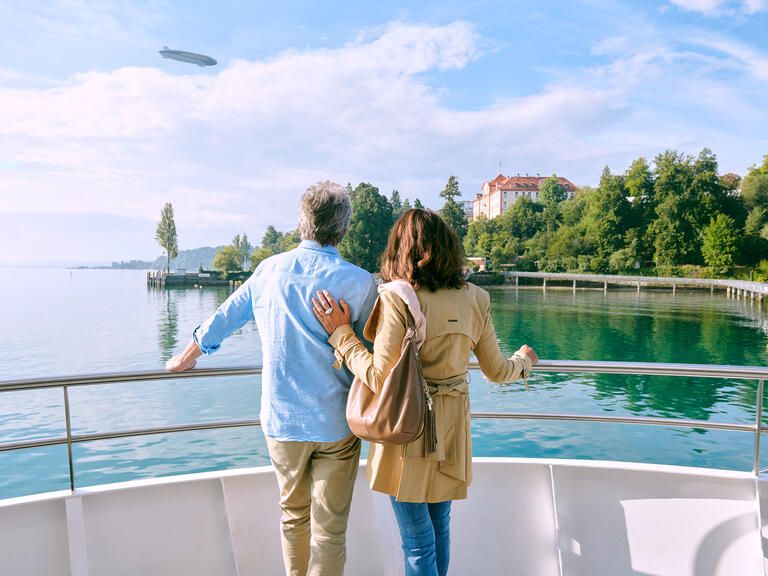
(495, 366)
(374, 367)
(234, 313)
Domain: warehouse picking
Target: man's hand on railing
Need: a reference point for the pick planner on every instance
(177, 364)
(186, 360)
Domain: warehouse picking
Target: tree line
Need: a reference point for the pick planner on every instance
(676, 216)
(373, 214)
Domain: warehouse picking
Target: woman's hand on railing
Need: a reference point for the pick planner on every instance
(530, 352)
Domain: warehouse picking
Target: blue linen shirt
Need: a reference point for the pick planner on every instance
(303, 398)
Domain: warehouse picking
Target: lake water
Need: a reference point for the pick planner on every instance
(57, 322)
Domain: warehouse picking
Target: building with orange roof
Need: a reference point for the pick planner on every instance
(502, 192)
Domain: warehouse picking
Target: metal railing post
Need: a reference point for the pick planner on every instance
(68, 418)
(758, 426)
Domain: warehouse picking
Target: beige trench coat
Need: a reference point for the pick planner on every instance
(458, 323)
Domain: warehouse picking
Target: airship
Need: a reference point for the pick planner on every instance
(190, 57)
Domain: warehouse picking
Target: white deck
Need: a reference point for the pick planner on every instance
(523, 517)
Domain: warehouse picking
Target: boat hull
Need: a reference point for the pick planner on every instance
(535, 517)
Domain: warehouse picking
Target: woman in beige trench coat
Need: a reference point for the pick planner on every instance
(425, 253)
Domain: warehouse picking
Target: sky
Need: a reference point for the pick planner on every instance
(98, 131)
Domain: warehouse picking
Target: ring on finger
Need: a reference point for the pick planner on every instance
(328, 311)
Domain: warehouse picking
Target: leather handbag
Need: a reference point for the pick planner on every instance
(402, 410)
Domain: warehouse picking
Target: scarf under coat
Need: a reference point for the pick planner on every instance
(408, 295)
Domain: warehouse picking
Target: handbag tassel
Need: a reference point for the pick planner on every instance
(430, 429)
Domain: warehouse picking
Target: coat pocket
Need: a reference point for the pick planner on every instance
(454, 462)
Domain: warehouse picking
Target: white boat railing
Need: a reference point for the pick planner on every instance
(758, 373)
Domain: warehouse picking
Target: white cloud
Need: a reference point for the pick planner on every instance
(752, 6)
(720, 7)
(611, 45)
(708, 7)
(740, 56)
(234, 149)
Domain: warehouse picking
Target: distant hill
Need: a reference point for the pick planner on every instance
(187, 259)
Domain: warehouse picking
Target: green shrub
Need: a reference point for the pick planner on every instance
(761, 272)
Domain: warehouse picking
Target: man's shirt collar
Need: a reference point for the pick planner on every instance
(312, 245)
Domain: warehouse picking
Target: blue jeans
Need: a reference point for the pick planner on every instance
(426, 533)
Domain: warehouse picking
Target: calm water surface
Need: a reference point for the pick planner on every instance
(62, 322)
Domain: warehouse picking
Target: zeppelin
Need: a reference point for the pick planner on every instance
(190, 57)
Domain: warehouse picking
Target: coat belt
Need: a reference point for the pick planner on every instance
(454, 386)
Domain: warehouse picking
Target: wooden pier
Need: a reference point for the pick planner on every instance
(739, 289)
(182, 279)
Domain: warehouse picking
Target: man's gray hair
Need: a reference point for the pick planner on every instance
(325, 212)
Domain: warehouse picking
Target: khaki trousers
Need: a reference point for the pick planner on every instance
(316, 480)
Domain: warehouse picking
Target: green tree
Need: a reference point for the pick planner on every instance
(454, 216)
(166, 234)
(720, 243)
(406, 206)
(567, 249)
(730, 182)
(522, 221)
(289, 241)
(418, 205)
(638, 181)
(763, 168)
(551, 194)
(754, 190)
(451, 190)
(228, 260)
(397, 204)
(371, 220)
(755, 221)
(675, 237)
(243, 248)
(754, 247)
(271, 239)
(754, 187)
(479, 232)
(452, 212)
(608, 215)
(707, 187)
(551, 191)
(259, 255)
(574, 210)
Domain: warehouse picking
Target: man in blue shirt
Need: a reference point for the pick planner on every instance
(304, 397)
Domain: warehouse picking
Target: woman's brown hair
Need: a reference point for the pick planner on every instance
(424, 251)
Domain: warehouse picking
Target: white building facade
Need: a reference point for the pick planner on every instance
(502, 192)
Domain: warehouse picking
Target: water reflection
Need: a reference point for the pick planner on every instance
(198, 304)
(649, 326)
(168, 324)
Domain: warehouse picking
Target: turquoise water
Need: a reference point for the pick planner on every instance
(62, 322)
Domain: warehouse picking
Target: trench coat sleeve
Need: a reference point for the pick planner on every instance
(495, 366)
(390, 318)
